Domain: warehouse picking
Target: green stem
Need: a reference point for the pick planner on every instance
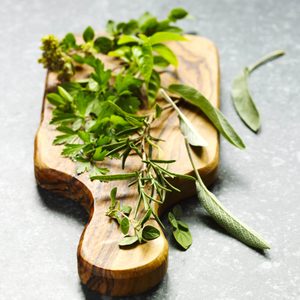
(188, 148)
(269, 57)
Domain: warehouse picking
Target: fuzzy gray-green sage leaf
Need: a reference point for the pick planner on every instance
(241, 97)
(223, 217)
(195, 98)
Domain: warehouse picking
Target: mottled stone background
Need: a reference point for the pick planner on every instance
(39, 234)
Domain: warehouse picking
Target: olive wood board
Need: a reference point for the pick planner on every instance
(102, 265)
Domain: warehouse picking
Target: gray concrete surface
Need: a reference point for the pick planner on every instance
(39, 233)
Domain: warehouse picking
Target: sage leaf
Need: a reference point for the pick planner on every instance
(124, 225)
(128, 241)
(183, 238)
(225, 219)
(241, 97)
(190, 133)
(150, 233)
(186, 127)
(195, 98)
(243, 101)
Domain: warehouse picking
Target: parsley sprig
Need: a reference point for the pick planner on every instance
(109, 114)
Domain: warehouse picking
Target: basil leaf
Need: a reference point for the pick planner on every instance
(150, 233)
(243, 101)
(177, 14)
(128, 241)
(124, 225)
(224, 218)
(195, 98)
(183, 238)
(162, 37)
(88, 34)
(165, 52)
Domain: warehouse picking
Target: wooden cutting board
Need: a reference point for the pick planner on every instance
(102, 265)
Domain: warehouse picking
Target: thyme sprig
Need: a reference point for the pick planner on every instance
(109, 114)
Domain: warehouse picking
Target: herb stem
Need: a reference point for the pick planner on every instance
(269, 57)
(188, 148)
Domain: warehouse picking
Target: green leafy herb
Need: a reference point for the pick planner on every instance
(223, 217)
(180, 230)
(124, 225)
(128, 241)
(195, 98)
(177, 14)
(98, 119)
(187, 128)
(242, 100)
(150, 233)
(88, 34)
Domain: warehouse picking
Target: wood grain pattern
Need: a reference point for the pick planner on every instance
(102, 265)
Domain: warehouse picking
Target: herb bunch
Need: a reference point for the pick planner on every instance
(109, 115)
